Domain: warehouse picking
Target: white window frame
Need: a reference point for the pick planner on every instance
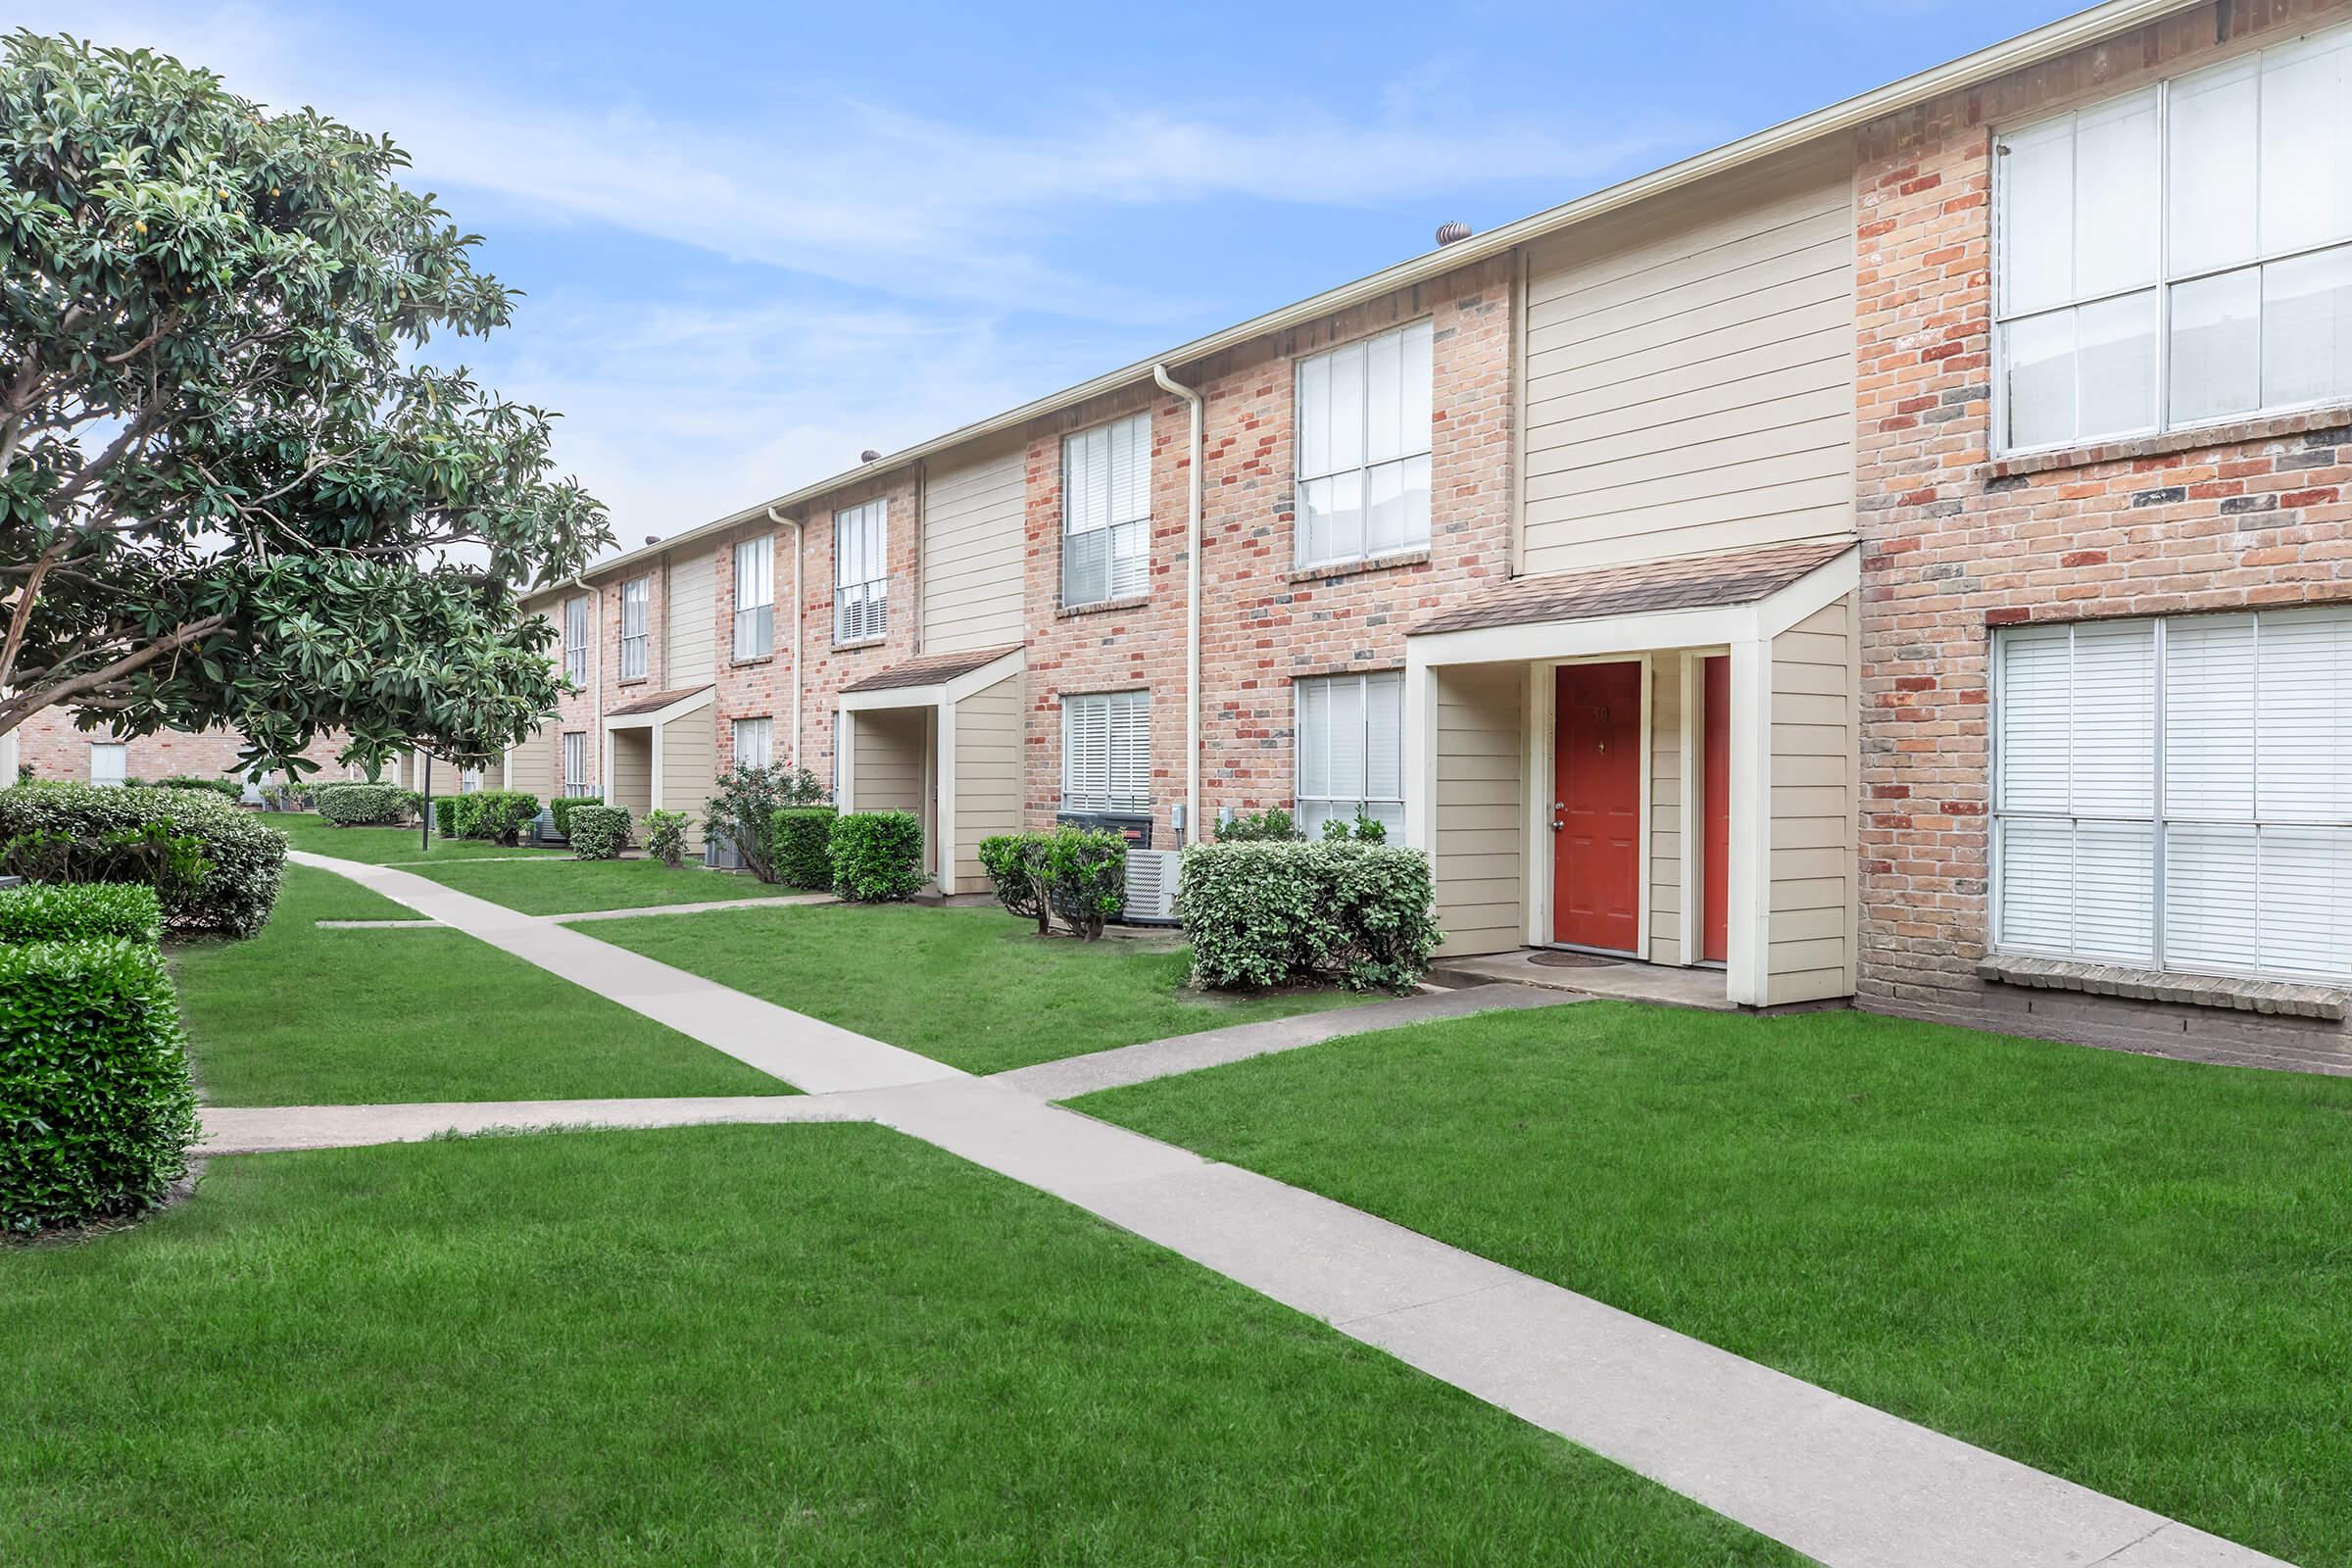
(575, 640)
(1079, 710)
(117, 752)
(861, 572)
(636, 627)
(764, 731)
(2165, 281)
(1387, 684)
(2159, 820)
(1107, 541)
(575, 763)
(755, 597)
(1413, 338)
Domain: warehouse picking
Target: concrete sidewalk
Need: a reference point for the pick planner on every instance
(1845, 1484)
(266, 1129)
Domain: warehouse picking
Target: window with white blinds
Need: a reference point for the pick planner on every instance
(1350, 750)
(110, 762)
(1107, 752)
(755, 597)
(861, 571)
(2177, 794)
(636, 603)
(1364, 448)
(755, 744)
(575, 763)
(1107, 512)
(2181, 255)
(576, 641)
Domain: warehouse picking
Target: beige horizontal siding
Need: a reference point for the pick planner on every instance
(688, 618)
(1481, 807)
(690, 767)
(1688, 383)
(1668, 777)
(988, 775)
(973, 554)
(1809, 947)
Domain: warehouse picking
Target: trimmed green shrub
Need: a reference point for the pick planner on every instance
(499, 816)
(1364, 830)
(242, 858)
(877, 857)
(666, 836)
(227, 786)
(600, 832)
(1274, 825)
(77, 912)
(450, 819)
(744, 810)
(563, 805)
(96, 1107)
(1078, 874)
(1271, 914)
(354, 805)
(801, 846)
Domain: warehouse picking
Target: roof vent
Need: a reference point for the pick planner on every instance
(653, 538)
(869, 454)
(1452, 234)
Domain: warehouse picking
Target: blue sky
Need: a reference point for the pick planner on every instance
(756, 239)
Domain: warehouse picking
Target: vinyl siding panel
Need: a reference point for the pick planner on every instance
(533, 766)
(988, 775)
(1667, 780)
(690, 618)
(1481, 808)
(973, 554)
(1689, 373)
(632, 772)
(690, 767)
(1809, 945)
(892, 758)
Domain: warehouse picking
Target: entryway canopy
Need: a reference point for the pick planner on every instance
(1486, 750)
(941, 737)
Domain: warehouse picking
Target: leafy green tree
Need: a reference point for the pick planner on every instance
(231, 490)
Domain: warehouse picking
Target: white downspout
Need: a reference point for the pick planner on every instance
(783, 522)
(1191, 611)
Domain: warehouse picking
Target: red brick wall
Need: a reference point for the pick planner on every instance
(56, 749)
(1957, 543)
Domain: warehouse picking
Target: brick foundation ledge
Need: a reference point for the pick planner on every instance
(2277, 997)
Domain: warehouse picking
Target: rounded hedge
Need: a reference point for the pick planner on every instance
(68, 912)
(96, 1107)
(246, 857)
(1271, 913)
(598, 832)
(877, 857)
(801, 846)
(365, 805)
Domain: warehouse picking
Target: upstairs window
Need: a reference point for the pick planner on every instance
(2177, 794)
(636, 602)
(2178, 257)
(1107, 752)
(1364, 448)
(576, 641)
(755, 742)
(1351, 751)
(756, 597)
(1107, 512)
(861, 572)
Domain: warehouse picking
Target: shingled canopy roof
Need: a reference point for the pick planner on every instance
(655, 702)
(937, 670)
(1692, 582)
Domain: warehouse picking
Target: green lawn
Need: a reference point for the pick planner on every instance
(973, 988)
(565, 886)
(806, 1344)
(2130, 1271)
(383, 846)
(298, 1015)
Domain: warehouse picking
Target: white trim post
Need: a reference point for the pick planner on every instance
(1748, 886)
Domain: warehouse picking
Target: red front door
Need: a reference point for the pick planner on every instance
(1715, 812)
(1596, 813)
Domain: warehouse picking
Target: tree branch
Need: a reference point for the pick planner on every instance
(23, 704)
(20, 614)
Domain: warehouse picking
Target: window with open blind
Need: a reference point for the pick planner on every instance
(576, 641)
(636, 601)
(755, 597)
(2177, 794)
(1107, 512)
(1350, 750)
(861, 571)
(1107, 752)
(1363, 449)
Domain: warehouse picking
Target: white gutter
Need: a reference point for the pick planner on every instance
(782, 521)
(2014, 54)
(1191, 610)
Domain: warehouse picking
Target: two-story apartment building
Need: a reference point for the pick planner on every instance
(1776, 565)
